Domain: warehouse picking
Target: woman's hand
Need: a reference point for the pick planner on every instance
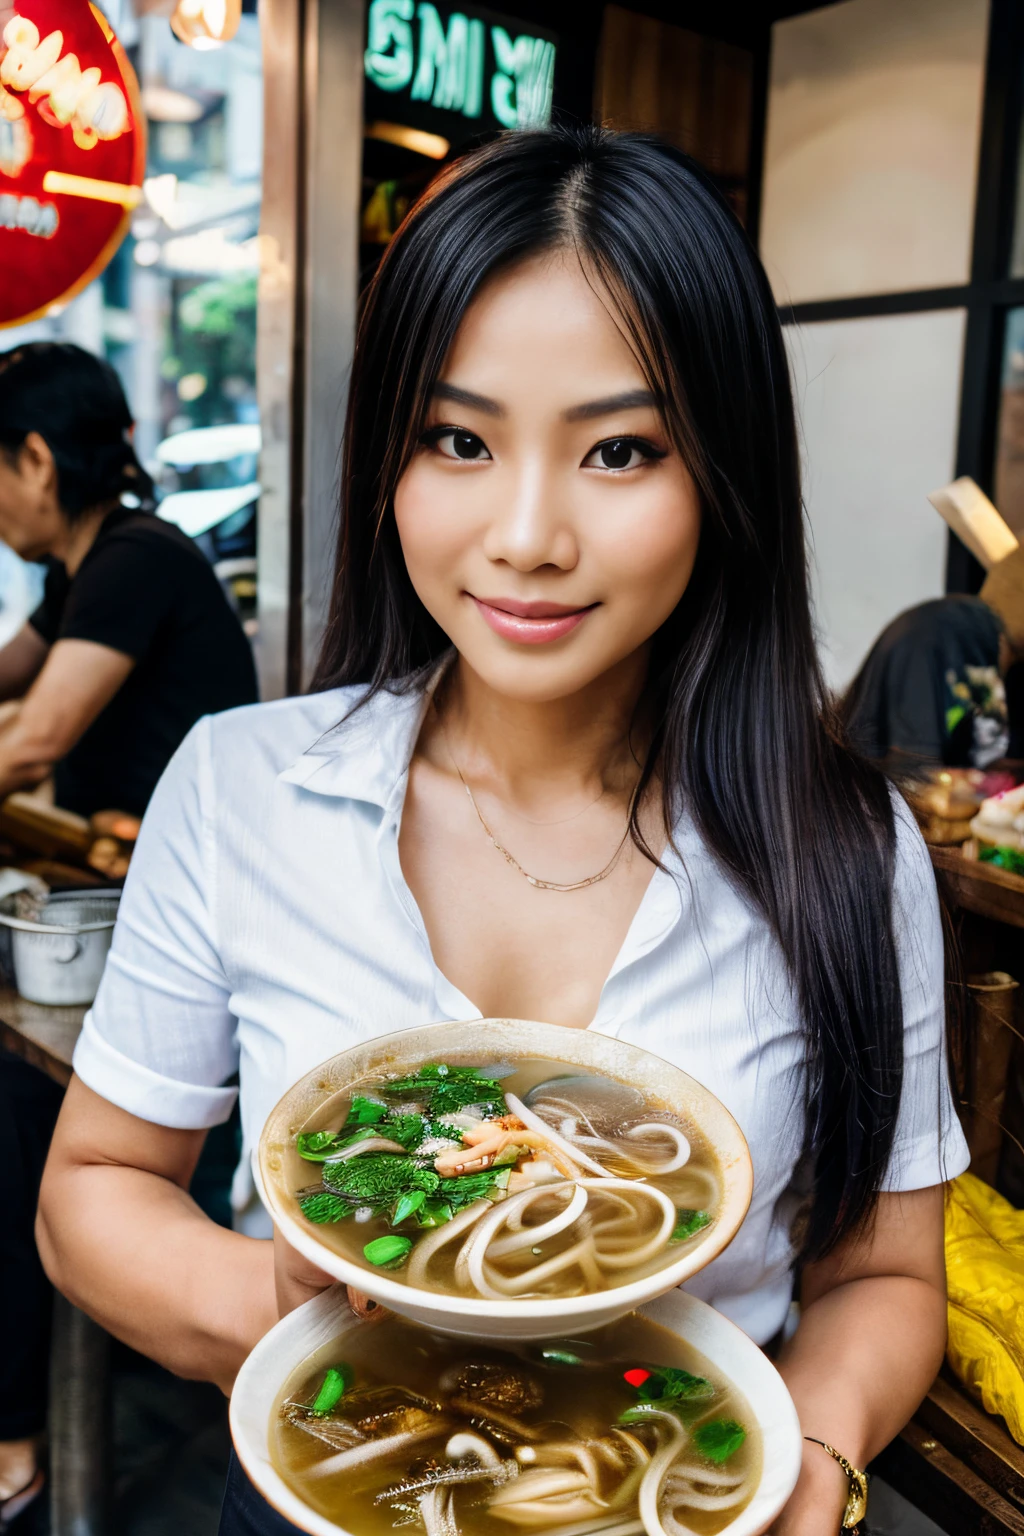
(296, 1279)
(819, 1499)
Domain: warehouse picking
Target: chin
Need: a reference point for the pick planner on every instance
(532, 678)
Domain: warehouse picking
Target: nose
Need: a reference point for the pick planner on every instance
(529, 527)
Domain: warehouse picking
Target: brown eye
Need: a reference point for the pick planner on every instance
(466, 445)
(621, 453)
(457, 443)
(616, 455)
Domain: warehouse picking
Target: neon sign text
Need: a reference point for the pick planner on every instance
(69, 95)
(448, 67)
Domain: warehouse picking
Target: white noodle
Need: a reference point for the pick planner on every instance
(535, 1123)
(526, 1237)
(373, 1450)
(672, 1436)
(682, 1152)
(371, 1144)
(468, 1444)
(425, 1249)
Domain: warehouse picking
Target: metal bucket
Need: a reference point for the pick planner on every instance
(59, 960)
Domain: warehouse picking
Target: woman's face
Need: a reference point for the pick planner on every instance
(547, 521)
(31, 521)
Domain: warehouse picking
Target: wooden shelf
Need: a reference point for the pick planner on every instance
(982, 888)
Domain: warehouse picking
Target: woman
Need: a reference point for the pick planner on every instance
(134, 640)
(570, 617)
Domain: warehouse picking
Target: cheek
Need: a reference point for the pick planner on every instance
(648, 552)
(431, 530)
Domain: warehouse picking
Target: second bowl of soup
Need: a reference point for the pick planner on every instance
(667, 1422)
(498, 1177)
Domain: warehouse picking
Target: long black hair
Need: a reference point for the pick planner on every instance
(743, 734)
(75, 402)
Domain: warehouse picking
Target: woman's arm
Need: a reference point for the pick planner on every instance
(120, 1236)
(871, 1339)
(21, 661)
(77, 681)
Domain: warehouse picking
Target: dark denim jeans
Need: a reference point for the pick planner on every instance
(246, 1512)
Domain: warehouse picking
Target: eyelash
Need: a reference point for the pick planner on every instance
(433, 435)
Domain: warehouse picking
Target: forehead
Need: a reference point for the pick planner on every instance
(545, 323)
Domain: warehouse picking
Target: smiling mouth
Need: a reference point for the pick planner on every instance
(530, 623)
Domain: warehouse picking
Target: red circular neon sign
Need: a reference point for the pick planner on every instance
(72, 152)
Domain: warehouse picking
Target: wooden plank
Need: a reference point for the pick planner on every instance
(947, 1491)
(981, 888)
(976, 1437)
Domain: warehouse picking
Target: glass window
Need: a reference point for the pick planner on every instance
(871, 147)
(175, 311)
(1008, 481)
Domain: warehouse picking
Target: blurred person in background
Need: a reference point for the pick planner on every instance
(943, 683)
(134, 642)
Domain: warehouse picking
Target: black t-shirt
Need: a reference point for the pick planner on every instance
(145, 589)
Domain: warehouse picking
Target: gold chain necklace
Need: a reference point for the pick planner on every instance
(510, 859)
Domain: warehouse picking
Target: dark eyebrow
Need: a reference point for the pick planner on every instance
(466, 397)
(631, 400)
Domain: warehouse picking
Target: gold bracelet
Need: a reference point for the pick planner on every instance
(857, 1499)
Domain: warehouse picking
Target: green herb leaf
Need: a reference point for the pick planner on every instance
(408, 1205)
(670, 1384)
(446, 1090)
(378, 1178)
(719, 1439)
(388, 1252)
(434, 1213)
(315, 1145)
(688, 1223)
(332, 1389)
(407, 1130)
(637, 1414)
(322, 1205)
(462, 1189)
(363, 1111)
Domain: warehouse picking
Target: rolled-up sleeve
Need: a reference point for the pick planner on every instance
(160, 1038)
(929, 1146)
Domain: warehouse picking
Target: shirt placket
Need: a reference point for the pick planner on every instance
(450, 1002)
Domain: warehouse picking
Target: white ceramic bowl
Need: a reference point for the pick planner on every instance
(328, 1316)
(313, 1101)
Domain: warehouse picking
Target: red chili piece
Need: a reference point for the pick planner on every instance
(636, 1377)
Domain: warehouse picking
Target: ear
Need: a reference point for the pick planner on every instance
(36, 463)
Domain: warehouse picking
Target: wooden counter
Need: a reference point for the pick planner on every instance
(43, 1035)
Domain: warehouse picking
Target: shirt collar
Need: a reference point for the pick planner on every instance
(368, 751)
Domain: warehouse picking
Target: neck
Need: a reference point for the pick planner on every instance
(532, 754)
(72, 548)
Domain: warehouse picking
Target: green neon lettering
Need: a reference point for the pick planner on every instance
(388, 29)
(521, 90)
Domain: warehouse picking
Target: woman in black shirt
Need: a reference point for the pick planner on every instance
(133, 642)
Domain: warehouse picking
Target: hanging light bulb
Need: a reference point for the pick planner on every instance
(206, 23)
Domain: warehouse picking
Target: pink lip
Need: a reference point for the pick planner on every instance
(530, 623)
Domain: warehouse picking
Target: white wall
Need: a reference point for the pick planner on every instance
(871, 147)
(878, 401)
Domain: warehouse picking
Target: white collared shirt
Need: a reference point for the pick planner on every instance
(266, 925)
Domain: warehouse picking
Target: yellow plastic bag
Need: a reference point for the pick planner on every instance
(985, 1276)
